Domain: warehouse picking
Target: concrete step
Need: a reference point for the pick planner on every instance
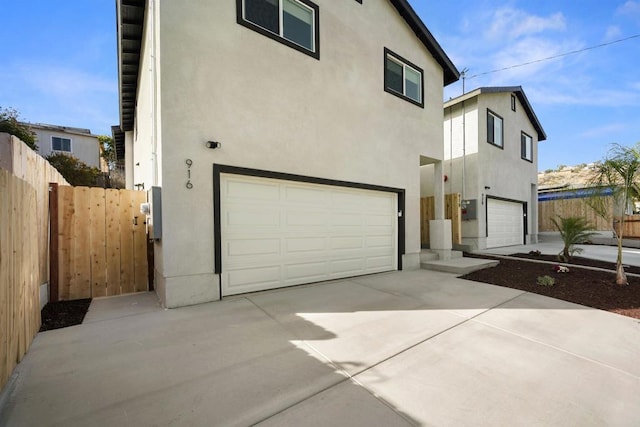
(459, 265)
(427, 255)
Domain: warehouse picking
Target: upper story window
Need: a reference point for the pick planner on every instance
(402, 78)
(291, 22)
(61, 144)
(513, 102)
(526, 143)
(495, 134)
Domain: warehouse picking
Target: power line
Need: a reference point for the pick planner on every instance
(573, 52)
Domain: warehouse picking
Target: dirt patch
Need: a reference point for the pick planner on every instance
(592, 288)
(61, 314)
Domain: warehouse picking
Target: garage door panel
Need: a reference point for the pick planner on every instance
(251, 247)
(346, 242)
(309, 233)
(240, 190)
(259, 218)
(305, 244)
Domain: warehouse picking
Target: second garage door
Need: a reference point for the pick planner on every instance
(277, 233)
(505, 223)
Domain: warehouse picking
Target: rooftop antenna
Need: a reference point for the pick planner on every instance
(463, 74)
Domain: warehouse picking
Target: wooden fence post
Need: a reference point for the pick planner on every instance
(53, 242)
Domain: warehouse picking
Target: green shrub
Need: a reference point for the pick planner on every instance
(573, 230)
(546, 281)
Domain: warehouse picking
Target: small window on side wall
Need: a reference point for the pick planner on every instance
(526, 143)
(403, 79)
(61, 144)
(494, 129)
(513, 102)
(291, 22)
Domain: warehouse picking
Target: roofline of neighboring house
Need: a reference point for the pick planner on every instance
(57, 128)
(517, 90)
(130, 20)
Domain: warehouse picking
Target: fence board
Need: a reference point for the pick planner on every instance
(80, 286)
(65, 240)
(98, 242)
(126, 243)
(452, 211)
(112, 212)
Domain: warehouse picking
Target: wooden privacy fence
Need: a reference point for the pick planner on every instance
(631, 226)
(452, 211)
(571, 208)
(19, 268)
(101, 242)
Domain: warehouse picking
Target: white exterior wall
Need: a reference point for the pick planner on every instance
(83, 147)
(274, 108)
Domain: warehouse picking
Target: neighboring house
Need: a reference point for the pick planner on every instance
(77, 142)
(491, 137)
(285, 138)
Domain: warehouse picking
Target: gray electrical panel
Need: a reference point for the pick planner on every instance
(469, 209)
(154, 219)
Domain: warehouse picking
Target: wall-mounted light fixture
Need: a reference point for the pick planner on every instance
(213, 144)
(486, 187)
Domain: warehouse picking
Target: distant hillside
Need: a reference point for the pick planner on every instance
(567, 176)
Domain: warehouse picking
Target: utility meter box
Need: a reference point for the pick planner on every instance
(469, 209)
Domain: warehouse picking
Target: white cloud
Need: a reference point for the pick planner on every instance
(513, 23)
(629, 8)
(613, 33)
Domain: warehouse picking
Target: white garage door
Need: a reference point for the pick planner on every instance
(277, 233)
(505, 226)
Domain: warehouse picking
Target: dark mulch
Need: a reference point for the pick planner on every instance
(580, 261)
(61, 314)
(592, 288)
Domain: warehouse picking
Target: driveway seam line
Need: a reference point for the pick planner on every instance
(553, 346)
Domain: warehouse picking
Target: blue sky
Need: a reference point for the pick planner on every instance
(59, 64)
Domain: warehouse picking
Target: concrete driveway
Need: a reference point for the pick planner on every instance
(401, 348)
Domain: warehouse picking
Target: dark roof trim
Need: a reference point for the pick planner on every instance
(518, 91)
(129, 24)
(118, 138)
(451, 73)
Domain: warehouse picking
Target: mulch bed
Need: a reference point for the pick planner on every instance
(61, 314)
(592, 288)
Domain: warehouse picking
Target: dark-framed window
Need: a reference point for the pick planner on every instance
(495, 129)
(295, 23)
(61, 144)
(526, 144)
(403, 79)
(513, 102)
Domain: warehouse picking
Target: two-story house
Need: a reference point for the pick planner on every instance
(491, 137)
(77, 142)
(284, 138)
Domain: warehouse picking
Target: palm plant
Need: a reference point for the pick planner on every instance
(573, 230)
(617, 176)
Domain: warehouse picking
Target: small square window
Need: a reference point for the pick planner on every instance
(291, 22)
(61, 144)
(494, 129)
(402, 78)
(526, 143)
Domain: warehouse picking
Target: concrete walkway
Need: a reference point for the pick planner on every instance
(551, 244)
(394, 349)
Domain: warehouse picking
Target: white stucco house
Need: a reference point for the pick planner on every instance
(491, 137)
(282, 139)
(77, 142)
